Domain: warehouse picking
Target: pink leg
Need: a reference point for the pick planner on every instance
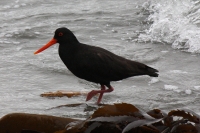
(102, 91)
(101, 94)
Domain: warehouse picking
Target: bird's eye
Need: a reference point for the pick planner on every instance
(60, 34)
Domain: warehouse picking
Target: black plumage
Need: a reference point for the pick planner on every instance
(96, 64)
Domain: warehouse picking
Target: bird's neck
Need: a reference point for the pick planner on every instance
(67, 52)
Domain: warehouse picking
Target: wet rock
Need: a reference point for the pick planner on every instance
(29, 131)
(18, 122)
(185, 128)
(117, 118)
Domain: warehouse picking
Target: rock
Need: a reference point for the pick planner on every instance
(17, 122)
(117, 118)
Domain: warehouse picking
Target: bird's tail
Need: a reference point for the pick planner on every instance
(152, 72)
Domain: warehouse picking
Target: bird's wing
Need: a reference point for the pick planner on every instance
(98, 64)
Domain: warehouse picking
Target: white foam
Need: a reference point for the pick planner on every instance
(172, 87)
(197, 87)
(153, 80)
(37, 33)
(164, 51)
(5, 42)
(188, 91)
(175, 23)
(16, 6)
(8, 35)
(178, 71)
(16, 42)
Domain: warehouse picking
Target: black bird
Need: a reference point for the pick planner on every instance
(95, 64)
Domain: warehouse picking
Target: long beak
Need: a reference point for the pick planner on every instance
(50, 43)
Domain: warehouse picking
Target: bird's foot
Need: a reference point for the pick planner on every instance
(91, 94)
(102, 91)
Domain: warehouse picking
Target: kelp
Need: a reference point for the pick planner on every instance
(62, 93)
(125, 118)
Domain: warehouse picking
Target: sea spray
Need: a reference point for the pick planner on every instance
(173, 22)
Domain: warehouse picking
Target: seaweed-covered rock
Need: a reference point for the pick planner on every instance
(117, 118)
(22, 122)
(126, 118)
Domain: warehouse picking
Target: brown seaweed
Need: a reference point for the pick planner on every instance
(117, 118)
(126, 118)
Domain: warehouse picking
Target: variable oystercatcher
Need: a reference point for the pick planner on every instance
(95, 64)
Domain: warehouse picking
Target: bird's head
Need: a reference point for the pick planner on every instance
(62, 36)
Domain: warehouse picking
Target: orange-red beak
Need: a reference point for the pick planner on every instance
(50, 43)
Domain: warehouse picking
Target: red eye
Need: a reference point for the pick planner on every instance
(60, 34)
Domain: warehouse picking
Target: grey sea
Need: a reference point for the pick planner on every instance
(162, 34)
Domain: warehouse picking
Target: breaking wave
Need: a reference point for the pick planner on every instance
(174, 22)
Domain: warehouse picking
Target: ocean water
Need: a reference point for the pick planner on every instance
(162, 34)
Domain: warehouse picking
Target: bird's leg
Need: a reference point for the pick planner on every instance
(94, 92)
(102, 91)
(101, 94)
